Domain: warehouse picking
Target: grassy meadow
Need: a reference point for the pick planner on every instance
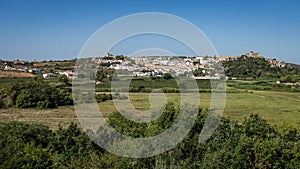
(280, 107)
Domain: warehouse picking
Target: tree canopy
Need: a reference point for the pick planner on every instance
(251, 144)
(256, 68)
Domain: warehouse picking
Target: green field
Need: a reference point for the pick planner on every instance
(278, 106)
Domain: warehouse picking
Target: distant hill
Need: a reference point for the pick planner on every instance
(65, 63)
(14, 74)
(258, 68)
(294, 66)
(2, 65)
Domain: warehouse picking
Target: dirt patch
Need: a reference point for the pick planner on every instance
(14, 74)
(43, 64)
(62, 116)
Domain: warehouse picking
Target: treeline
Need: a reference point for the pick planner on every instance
(290, 78)
(35, 93)
(257, 68)
(251, 144)
(262, 85)
(146, 85)
(104, 97)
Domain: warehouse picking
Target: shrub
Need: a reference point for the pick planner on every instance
(37, 94)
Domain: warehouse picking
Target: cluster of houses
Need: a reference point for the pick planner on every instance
(20, 66)
(15, 69)
(159, 65)
(273, 62)
(69, 74)
(150, 66)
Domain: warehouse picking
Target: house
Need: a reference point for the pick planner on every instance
(69, 74)
(7, 67)
(47, 75)
(38, 71)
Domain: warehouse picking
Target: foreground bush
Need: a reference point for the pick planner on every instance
(251, 144)
(36, 94)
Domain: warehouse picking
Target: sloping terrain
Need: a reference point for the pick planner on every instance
(294, 65)
(255, 68)
(14, 74)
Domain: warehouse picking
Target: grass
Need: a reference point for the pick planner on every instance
(281, 108)
(278, 108)
(51, 117)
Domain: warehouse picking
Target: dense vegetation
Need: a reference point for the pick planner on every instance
(36, 93)
(199, 72)
(257, 68)
(168, 85)
(104, 75)
(251, 144)
(262, 86)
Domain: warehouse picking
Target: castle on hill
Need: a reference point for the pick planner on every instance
(273, 62)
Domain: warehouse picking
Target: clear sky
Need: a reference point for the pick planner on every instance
(57, 29)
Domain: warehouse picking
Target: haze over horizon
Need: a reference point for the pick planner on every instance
(57, 30)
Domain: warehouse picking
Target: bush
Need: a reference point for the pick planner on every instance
(250, 144)
(167, 76)
(103, 97)
(24, 145)
(37, 94)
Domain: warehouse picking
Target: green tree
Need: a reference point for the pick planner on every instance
(167, 76)
(63, 79)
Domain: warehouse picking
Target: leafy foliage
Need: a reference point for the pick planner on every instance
(36, 94)
(254, 68)
(63, 79)
(167, 76)
(105, 75)
(199, 72)
(251, 144)
(103, 97)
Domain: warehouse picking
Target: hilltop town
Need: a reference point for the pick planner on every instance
(19, 68)
(201, 67)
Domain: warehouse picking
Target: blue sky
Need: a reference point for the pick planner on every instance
(57, 29)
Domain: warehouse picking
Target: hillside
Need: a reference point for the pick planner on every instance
(257, 68)
(14, 74)
(294, 65)
(65, 63)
